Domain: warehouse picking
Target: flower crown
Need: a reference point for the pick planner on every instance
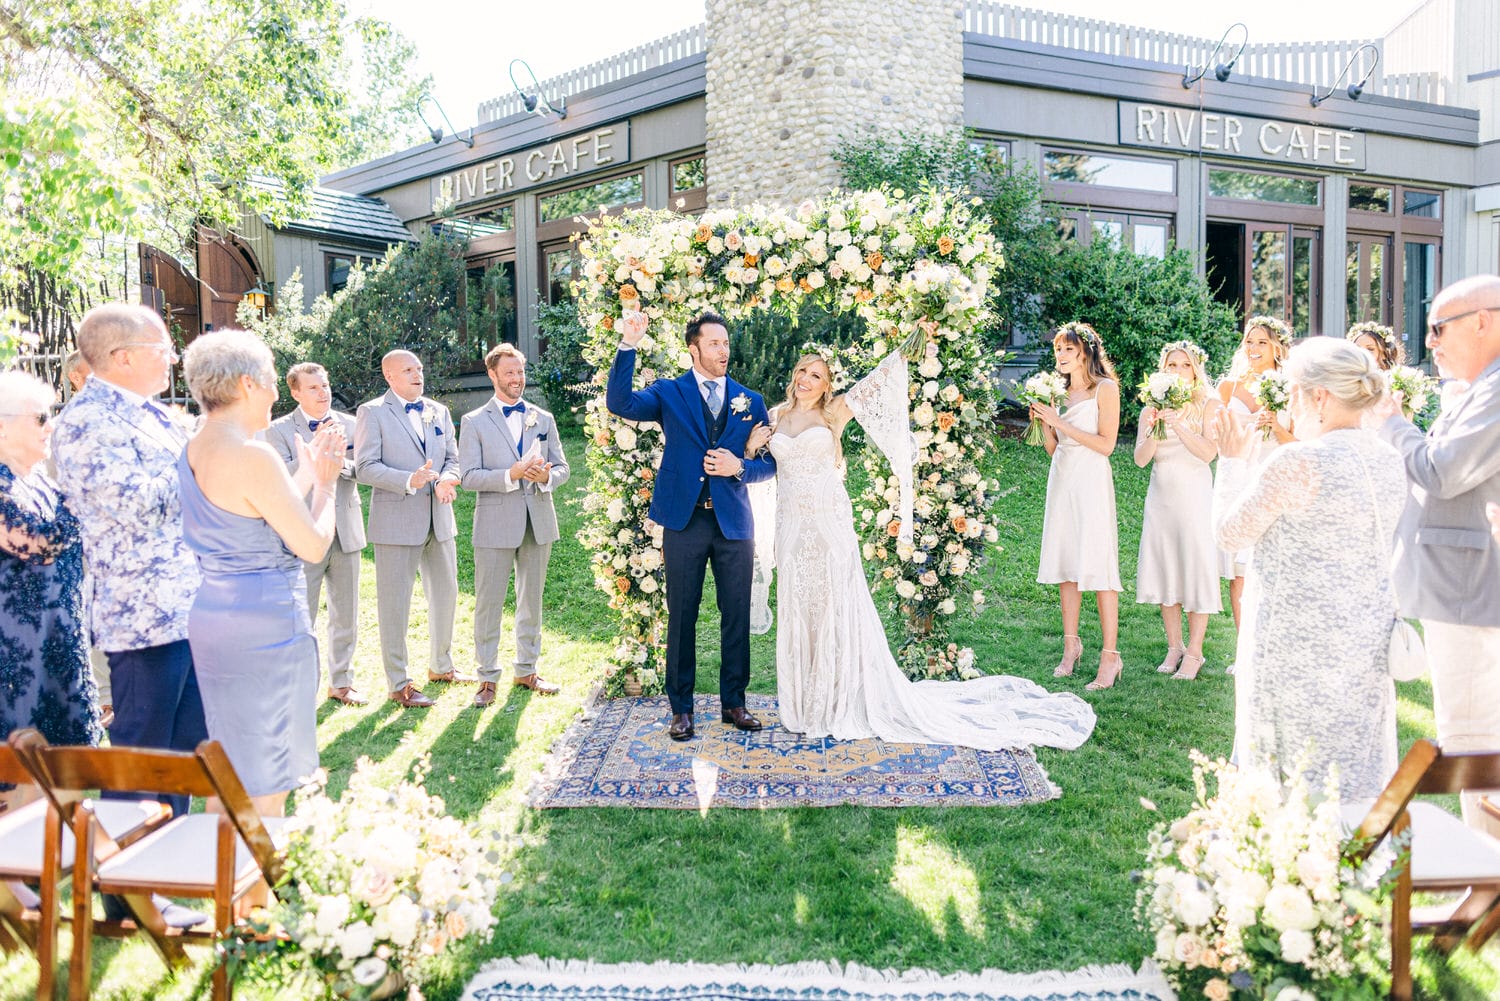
(1275, 325)
(837, 377)
(1193, 351)
(1385, 335)
(1083, 331)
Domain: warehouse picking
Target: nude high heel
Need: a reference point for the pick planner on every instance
(1174, 657)
(1098, 682)
(1189, 669)
(1065, 666)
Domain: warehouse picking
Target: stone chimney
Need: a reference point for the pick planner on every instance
(788, 78)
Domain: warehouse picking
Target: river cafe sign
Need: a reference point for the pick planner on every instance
(1188, 130)
(557, 161)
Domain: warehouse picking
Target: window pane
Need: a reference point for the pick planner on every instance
(1375, 294)
(586, 201)
(1418, 287)
(1369, 198)
(994, 153)
(1111, 171)
(1302, 272)
(1150, 239)
(338, 273)
(1426, 204)
(1067, 228)
(1351, 284)
(689, 174)
(1268, 273)
(559, 275)
(1262, 187)
(499, 219)
(1107, 229)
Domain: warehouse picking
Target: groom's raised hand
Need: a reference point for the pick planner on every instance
(633, 326)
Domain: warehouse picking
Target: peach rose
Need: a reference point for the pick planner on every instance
(702, 233)
(623, 584)
(608, 323)
(864, 295)
(454, 924)
(945, 421)
(751, 260)
(804, 285)
(601, 438)
(945, 245)
(784, 284)
(628, 293)
(874, 260)
(894, 528)
(960, 524)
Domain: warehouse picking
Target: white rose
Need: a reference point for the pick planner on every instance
(1290, 993)
(815, 279)
(369, 971)
(848, 258)
(1188, 948)
(1192, 905)
(651, 559)
(648, 585)
(391, 850)
(919, 556)
(924, 414)
(356, 941)
(947, 607)
(1296, 946)
(905, 588)
(332, 913)
(837, 220)
(1166, 942)
(869, 550)
(398, 920)
(949, 393)
(1288, 908)
(904, 242)
(929, 390)
(625, 438)
(1316, 871)
(930, 368)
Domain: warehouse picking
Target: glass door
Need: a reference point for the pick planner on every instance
(1280, 274)
(1367, 288)
(1420, 260)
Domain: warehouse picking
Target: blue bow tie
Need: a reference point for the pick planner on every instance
(313, 425)
(414, 406)
(519, 408)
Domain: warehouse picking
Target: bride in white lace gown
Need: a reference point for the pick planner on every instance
(835, 674)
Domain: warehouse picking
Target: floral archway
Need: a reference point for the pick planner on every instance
(917, 271)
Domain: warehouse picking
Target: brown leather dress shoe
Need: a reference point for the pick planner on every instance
(485, 697)
(536, 684)
(741, 719)
(682, 726)
(452, 678)
(409, 696)
(348, 696)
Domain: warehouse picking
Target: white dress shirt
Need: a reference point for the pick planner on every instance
(516, 424)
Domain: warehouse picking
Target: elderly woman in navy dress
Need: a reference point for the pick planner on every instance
(1178, 566)
(1080, 543)
(45, 681)
(251, 524)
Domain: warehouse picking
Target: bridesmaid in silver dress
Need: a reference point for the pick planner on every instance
(1263, 348)
(1080, 543)
(1178, 565)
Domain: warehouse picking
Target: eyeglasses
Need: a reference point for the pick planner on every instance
(1435, 328)
(168, 349)
(41, 417)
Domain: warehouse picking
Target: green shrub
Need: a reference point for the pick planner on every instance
(560, 368)
(764, 346)
(1138, 304)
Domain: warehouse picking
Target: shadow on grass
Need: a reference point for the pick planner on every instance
(477, 762)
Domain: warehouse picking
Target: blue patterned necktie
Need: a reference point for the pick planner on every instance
(715, 405)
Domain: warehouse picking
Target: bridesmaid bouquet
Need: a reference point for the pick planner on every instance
(1419, 391)
(1271, 394)
(1164, 391)
(1047, 388)
(1255, 893)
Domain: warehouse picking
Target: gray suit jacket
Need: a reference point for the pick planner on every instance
(282, 435)
(485, 452)
(386, 452)
(1447, 565)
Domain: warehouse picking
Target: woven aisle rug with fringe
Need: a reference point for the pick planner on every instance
(534, 979)
(619, 754)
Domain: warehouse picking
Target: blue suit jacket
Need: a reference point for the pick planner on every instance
(677, 406)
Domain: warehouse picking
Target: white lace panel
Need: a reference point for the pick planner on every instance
(881, 402)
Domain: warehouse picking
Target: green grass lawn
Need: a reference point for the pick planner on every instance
(1036, 887)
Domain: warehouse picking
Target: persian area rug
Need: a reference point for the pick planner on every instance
(533, 979)
(619, 754)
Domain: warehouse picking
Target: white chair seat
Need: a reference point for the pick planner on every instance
(1444, 850)
(23, 831)
(183, 856)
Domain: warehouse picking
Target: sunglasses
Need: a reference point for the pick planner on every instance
(1435, 328)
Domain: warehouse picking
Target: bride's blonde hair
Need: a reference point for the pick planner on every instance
(824, 404)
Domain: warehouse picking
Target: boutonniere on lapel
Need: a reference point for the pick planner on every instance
(740, 404)
(429, 415)
(531, 418)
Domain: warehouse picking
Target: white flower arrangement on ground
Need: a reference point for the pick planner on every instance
(1419, 394)
(1252, 894)
(1047, 388)
(1164, 391)
(917, 270)
(378, 882)
(1271, 394)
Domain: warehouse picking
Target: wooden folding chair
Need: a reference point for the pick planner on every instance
(35, 847)
(1445, 855)
(218, 857)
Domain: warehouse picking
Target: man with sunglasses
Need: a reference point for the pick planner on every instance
(1447, 565)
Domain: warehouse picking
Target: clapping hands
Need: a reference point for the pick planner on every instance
(324, 455)
(533, 468)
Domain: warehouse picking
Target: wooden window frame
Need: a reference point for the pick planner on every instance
(561, 229)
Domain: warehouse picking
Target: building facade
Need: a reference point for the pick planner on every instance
(1325, 213)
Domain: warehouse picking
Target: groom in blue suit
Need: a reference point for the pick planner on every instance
(701, 502)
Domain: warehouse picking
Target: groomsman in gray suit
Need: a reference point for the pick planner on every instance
(405, 448)
(1447, 568)
(308, 383)
(512, 458)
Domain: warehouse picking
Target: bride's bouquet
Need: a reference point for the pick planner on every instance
(1419, 393)
(1271, 394)
(1164, 391)
(1254, 893)
(1047, 388)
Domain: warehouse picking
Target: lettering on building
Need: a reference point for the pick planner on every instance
(1188, 130)
(545, 164)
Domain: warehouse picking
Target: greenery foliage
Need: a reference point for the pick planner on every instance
(144, 118)
(1138, 304)
(560, 368)
(409, 300)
